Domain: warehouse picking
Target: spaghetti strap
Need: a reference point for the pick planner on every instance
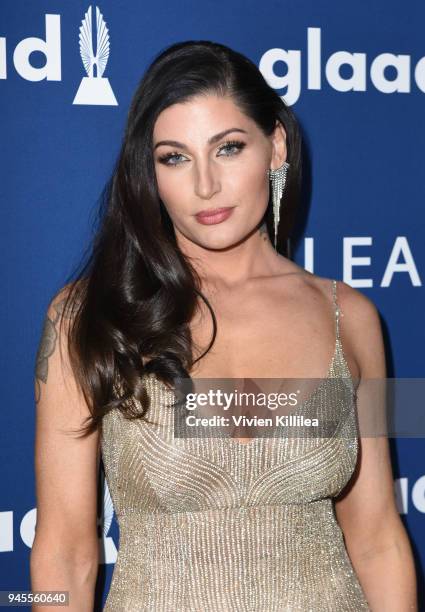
(338, 312)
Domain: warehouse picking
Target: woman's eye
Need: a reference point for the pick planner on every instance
(233, 148)
(230, 149)
(165, 159)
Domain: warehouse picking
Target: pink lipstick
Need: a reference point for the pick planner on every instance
(214, 215)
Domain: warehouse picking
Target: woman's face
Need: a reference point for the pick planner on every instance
(208, 155)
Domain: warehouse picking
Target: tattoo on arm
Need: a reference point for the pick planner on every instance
(48, 341)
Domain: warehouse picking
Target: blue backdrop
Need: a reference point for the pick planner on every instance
(354, 73)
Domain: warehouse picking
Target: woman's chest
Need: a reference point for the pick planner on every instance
(257, 340)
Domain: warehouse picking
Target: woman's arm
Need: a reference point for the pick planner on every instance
(374, 534)
(64, 555)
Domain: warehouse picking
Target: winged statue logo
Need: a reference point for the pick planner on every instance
(94, 88)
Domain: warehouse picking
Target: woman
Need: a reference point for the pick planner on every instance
(174, 289)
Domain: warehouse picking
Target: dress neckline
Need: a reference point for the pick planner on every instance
(323, 380)
(234, 443)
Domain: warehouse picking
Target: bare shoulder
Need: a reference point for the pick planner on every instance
(65, 302)
(54, 334)
(358, 304)
(360, 313)
(361, 327)
(363, 313)
(360, 324)
(60, 313)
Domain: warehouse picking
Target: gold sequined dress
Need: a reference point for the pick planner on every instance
(215, 525)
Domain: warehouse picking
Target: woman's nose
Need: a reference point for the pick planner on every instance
(207, 181)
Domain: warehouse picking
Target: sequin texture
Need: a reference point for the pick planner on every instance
(211, 524)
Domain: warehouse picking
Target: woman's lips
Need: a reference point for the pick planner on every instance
(215, 215)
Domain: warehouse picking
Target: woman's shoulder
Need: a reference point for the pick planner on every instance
(359, 311)
(360, 324)
(349, 299)
(66, 300)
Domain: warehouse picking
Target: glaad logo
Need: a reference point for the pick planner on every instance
(50, 47)
(356, 63)
(94, 89)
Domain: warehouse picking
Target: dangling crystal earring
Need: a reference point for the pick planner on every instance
(278, 179)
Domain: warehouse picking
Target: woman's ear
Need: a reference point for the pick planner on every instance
(279, 151)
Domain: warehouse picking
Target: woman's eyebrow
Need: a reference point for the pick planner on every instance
(212, 140)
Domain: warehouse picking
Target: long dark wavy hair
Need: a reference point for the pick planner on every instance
(128, 309)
